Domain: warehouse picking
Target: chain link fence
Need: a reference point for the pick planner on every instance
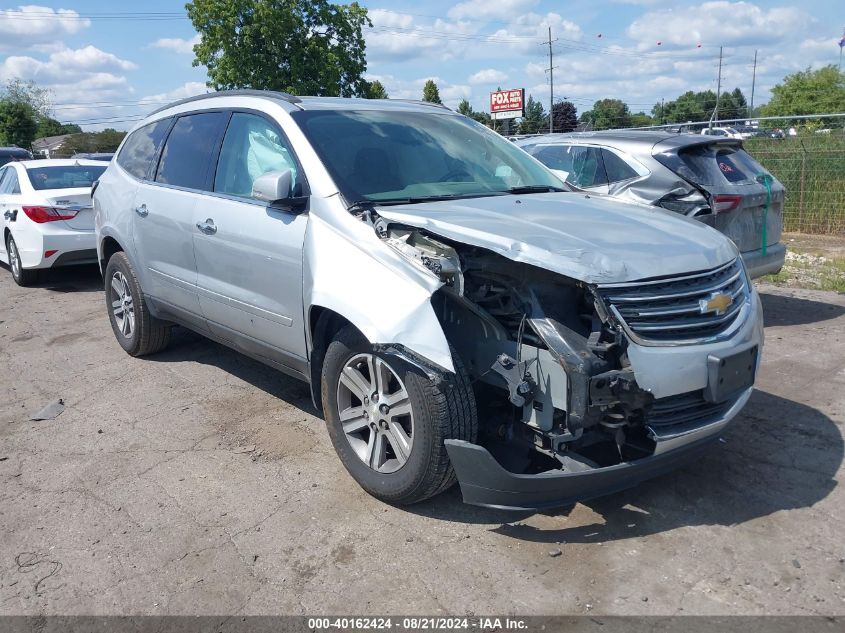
(812, 168)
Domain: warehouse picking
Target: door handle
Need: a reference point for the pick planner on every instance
(142, 210)
(207, 227)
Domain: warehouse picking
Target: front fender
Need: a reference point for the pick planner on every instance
(353, 273)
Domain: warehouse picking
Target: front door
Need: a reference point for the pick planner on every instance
(249, 254)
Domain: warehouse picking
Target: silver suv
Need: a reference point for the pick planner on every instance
(457, 311)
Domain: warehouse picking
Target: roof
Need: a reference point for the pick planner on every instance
(49, 142)
(314, 103)
(626, 138)
(58, 162)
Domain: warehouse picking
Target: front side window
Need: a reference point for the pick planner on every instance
(65, 177)
(187, 154)
(252, 146)
(141, 148)
(384, 156)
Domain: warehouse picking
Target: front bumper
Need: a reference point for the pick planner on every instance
(484, 482)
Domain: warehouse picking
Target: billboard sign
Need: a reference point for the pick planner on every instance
(507, 104)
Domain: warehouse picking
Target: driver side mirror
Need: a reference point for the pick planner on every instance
(274, 186)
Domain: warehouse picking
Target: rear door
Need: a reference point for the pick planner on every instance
(735, 184)
(582, 164)
(250, 263)
(163, 222)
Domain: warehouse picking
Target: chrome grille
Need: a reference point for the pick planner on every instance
(669, 310)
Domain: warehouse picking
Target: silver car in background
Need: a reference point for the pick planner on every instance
(459, 314)
(711, 179)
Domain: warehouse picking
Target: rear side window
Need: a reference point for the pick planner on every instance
(616, 168)
(714, 165)
(9, 181)
(69, 177)
(140, 149)
(583, 164)
(252, 146)
(187, 155)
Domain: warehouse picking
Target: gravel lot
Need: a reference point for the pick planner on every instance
(200, 482)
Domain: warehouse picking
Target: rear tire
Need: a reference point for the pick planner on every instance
(22, 276)
(414, 464)
(138, 332)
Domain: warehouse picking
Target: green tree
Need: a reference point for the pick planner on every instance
(299, 46)
(641, 119)
(430, 92)
(564, 117)
(808, 92)
(607, 114)
(374, 90)
(690, 106)
(48, 126)
(17, 124)
(465, 108)
(535, 119)
(40, 100)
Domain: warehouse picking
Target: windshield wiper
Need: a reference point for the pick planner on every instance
(535, 189)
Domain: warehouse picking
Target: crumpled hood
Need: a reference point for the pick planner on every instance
(592, 239)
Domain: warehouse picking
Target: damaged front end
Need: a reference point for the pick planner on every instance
(561, 413)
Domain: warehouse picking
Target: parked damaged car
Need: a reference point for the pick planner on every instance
(709, 178)
(458, 313)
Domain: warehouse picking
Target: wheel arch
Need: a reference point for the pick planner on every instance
(323, 325)
(108, 247)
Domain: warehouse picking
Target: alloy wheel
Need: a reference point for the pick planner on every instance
(375, 413)
(122, 304)
(14, 258)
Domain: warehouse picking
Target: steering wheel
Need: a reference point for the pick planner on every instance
(454, 175)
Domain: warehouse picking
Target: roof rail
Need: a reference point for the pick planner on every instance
(268, 94)
(423, 103)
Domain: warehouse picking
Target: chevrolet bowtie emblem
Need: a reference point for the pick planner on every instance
(718, 302)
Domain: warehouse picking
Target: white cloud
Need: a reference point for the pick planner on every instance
(487, 76)
(398, 36)
(490, 9)
(718, 23)
(65, 66)
(528, 31)
(177, 44)
(29, 25)
(188, 89)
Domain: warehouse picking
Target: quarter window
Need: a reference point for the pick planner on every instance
(252, 146)
(616, 168)
(187, 155)
(140, 149)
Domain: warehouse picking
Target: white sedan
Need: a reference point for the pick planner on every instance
(48, 220)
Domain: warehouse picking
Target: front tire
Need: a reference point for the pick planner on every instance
(138, 332)
(388, 420)
(21, 275)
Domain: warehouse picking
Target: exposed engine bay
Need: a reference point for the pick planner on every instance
(548, 362)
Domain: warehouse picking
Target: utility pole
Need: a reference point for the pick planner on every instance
(718, 91)
(753, 81)
(661, 111)
(551, 82)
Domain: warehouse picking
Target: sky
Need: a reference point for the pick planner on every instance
(108, 63)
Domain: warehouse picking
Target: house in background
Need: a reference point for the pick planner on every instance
(48, 146)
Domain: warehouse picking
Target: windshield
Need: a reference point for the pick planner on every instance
(384, 156)
(66, 177)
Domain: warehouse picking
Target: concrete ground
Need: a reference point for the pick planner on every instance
(200, 482)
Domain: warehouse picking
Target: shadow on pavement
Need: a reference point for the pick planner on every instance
(778, 455)
(186, 345)
(786, 310)
(67, 279)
